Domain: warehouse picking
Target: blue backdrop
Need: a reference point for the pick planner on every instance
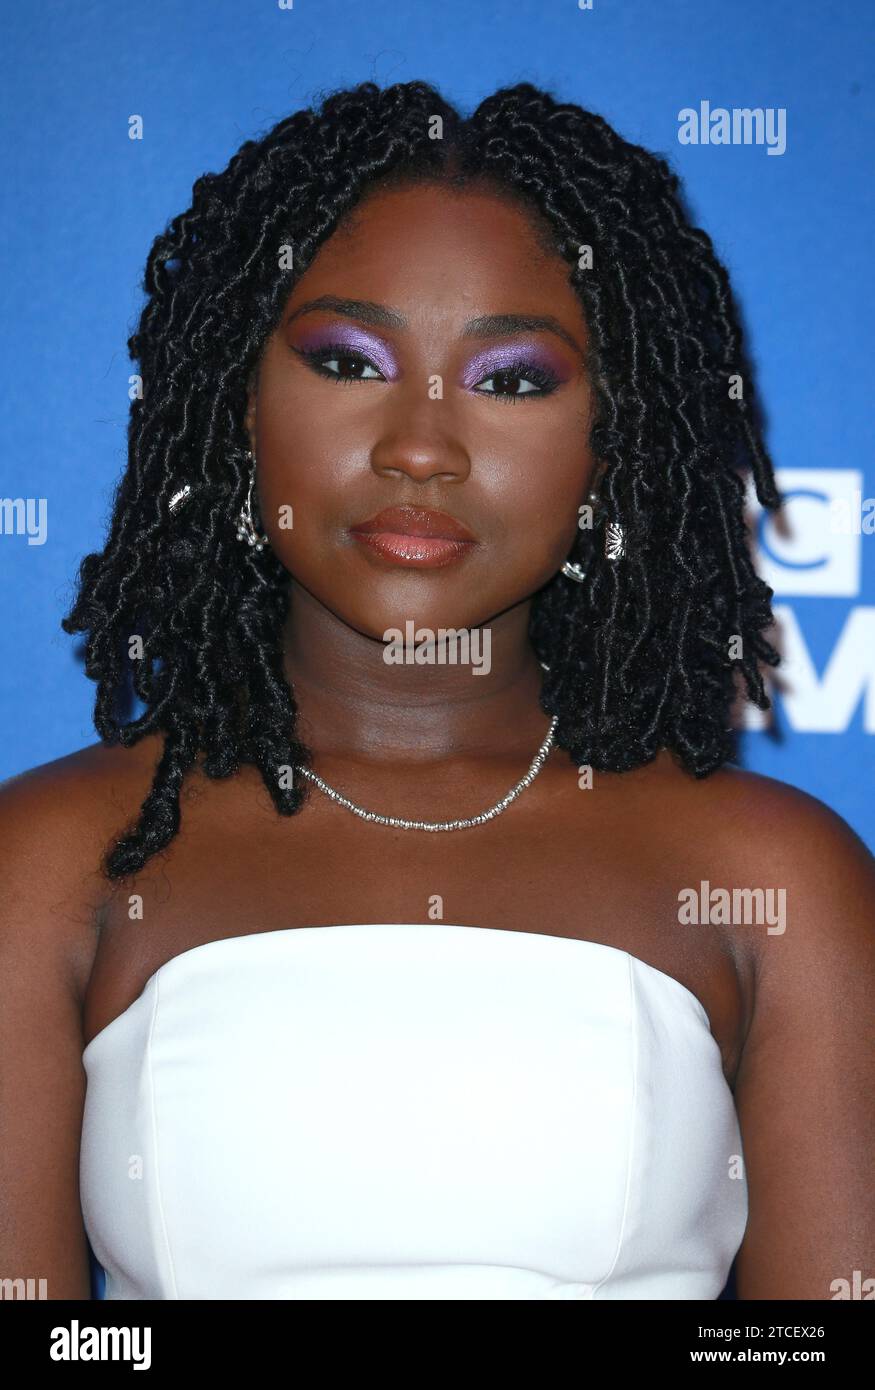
(791, 216)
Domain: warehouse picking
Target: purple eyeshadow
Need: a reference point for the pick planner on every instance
(355, 340)
(348, 337)
(499, 359)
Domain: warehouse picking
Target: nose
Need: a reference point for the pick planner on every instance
(419, 442)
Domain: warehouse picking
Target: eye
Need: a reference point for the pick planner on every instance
(341, 364)
(534, 381)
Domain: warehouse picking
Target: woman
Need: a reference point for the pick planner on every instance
(336, 1043)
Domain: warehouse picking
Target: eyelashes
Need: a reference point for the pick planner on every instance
(543, 380)
(337, 352)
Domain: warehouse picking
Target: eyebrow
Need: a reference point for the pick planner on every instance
(487, 326)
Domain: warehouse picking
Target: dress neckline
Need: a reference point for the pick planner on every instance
(226, 941)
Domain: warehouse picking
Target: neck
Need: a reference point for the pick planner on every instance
(352, 702)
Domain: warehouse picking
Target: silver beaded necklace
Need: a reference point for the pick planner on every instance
(399, 824)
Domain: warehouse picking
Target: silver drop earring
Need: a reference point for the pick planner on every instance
(615, 546)
(245, 525)
(574, 571)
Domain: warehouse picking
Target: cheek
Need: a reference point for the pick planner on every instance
(304, 460)
(298, 506)
(535, 492)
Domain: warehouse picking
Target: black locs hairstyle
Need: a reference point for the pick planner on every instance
(639, 655)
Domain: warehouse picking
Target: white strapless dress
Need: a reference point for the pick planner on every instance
(410, 1112)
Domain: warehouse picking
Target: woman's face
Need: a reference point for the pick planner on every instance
(404, 374)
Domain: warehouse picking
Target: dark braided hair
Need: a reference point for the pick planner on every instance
(639, 655)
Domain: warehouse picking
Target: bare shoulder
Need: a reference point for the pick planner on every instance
(60, 803)
(738, 831)
(94, 774)
(56, 821)
(738, 797)
(757, 827)
(778, 834)
(783, 838)
(747, 834)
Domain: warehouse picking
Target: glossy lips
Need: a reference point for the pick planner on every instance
(415, 537)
